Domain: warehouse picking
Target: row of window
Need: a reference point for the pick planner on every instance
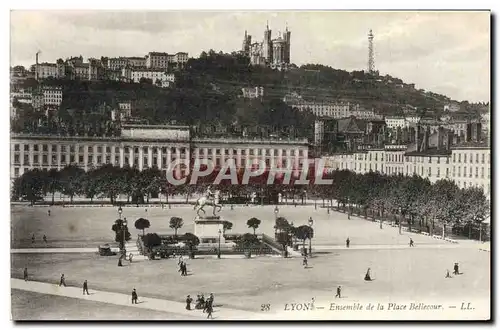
(359, 167)
(389, 157)
(64, 159)
(471, 158)
(459, 173)
(155, 150)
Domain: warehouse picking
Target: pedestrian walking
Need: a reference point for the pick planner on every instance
(347, 242)
(25, 274)
(411, 242)
(62, 281)
(455, 269)
(209, 311)
(448, 274)
(33, 239)
(85, 288)
(48, 212)
(134, 296)
(304, 262)
(184, 269)
(339, 292)
(189, 300)
(45, 239)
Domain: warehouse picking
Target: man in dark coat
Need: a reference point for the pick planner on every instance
(85, 288)
(455, 269)
(339, 291)
(62, 281)
(189, 300)
(185, 269)
(25, 273)
(134, 296)
(347, 242)
(209, 311)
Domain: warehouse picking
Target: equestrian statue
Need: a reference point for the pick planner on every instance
(210, 198)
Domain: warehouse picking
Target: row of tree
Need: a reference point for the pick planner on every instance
(412, 200)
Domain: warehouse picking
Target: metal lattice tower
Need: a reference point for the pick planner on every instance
(371, 59)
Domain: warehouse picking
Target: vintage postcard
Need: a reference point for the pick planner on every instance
(292, 165)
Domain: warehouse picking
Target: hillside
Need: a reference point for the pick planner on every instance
(208, 94)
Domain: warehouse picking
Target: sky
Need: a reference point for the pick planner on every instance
(443, 52)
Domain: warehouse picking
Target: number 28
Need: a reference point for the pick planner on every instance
(265, 307)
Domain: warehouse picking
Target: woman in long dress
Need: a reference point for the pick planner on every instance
(367, 276)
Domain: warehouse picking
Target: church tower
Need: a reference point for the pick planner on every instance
(247, 41)
(267, 46)
(287, 36)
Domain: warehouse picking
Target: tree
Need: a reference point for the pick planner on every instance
(142, 224)
(247, 241)
(303, 233)
(151, 240)
(90, 184)
(176, 223)
(192, 241)
(53, 182)
(253, 223)
(443, 202)
(71, 180)
(29, 186)
(282, 224)
(122, 234)
(226, 225)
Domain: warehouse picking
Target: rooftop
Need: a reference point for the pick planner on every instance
(429, 152)
(157, 54)
(472, 145)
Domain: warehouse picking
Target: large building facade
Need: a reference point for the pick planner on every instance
(468, 165)
(146, 146)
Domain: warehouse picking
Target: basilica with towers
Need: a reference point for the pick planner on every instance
(274, 53)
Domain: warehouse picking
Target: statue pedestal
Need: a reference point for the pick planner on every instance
(207, 229)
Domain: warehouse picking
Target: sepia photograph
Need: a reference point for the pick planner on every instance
(287, 165)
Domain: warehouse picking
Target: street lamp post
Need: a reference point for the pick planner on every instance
(124, 226)
(218, 251)
(120, 211)
(310, 237)
(276, 211)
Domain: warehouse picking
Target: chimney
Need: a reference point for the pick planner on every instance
(468, 132)
(440, 138)
(417, 137)
(462, 137)
(411, 134)
(405, 135)
(425, 142)
(476, 132)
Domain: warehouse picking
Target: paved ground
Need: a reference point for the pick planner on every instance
(88, 227)
(246, 284)
(159, 305)
(29, 305)
(401, 273)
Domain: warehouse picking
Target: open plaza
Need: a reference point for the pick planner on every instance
(260, 287)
